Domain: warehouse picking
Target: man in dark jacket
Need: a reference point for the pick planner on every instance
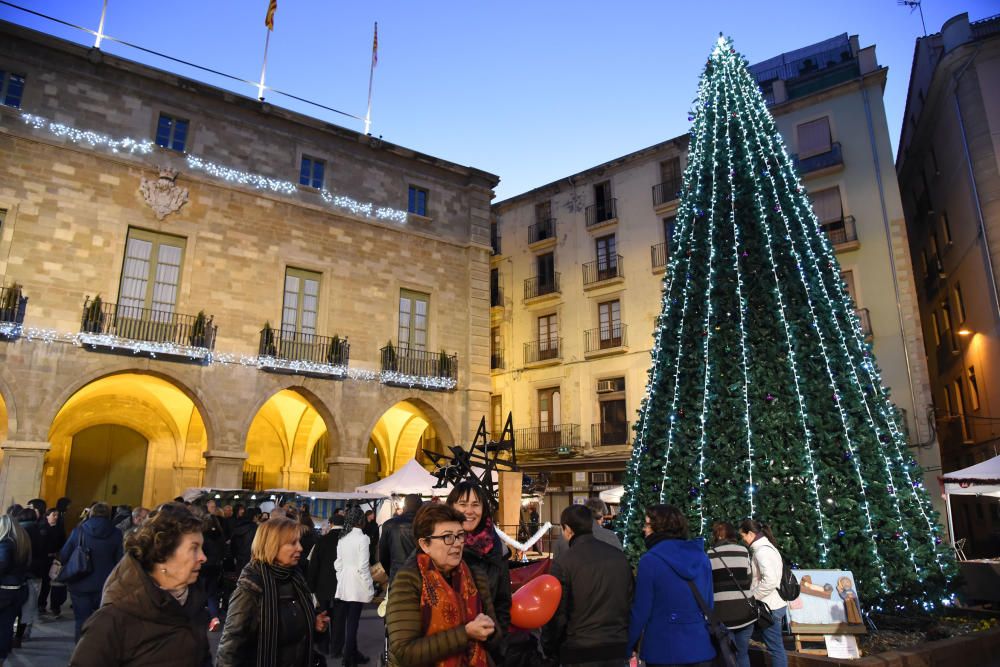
(28, 520)
(396, 543)
(591, 625)
(104, 541)
(53, 537)
(322, 580)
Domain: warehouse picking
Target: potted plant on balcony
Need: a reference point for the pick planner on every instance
(93, 317)
(444, 365)
(389, 357)
(267, 344)
(335, 354)
(9, 304)
(199, 329)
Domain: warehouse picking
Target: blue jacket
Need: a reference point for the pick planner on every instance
(664, 611)
(105, 544)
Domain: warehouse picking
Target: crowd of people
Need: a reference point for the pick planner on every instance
(147, 587)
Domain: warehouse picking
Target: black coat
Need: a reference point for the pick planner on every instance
(397, 543)
(140, 624)
(497, 570)
(53, 538)
(39, 564)
(592, 621)
(371, 530)
(322, 577)
(214, 545)
(239, 543)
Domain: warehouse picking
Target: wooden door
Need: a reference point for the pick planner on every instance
(107, 463)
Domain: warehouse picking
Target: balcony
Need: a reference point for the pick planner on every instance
(296, 353)
(603, 213)
(610, 434)
(666, 192)
(613, 338)
(542, 352)
(535, 288)
(121, 329)
(824, 162)
(608, 268)
(658, 256)
(406, 367)
(543, 230)
(497, 361)
(12, 306)
(557, 440)
(865, 321)
(842, 234)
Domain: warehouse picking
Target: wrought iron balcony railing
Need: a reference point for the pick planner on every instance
(666, 191)
(542, 350)
(534, 287)
(606, 337)
(133, 323)
(253, 477)
(866, 321)
(557, 439)
(610, 433)
(603, 269)
(304, 347)
(497, 360)
(542, 230)
(658, 255)
(841, 232)
(12, 306)
(831, 158)
(419, 363)
(602, 212)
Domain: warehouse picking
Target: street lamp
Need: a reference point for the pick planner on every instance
(965, 331)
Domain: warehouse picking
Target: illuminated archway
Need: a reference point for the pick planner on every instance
(156, 408)
(287, 444)
(403, 432)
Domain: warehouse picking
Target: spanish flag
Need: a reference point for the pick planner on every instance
(269, 19)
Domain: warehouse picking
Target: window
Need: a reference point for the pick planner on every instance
(946, 323)
(945, 229)
(414, 308)
(937, 328)
(11, 88)
(973, 389)
(300, 308)
(151, 273)
(171, 132)
(496, 416)
(496, 348)
(496, 297)
(543, 211)
(959, 303)
(848, 278)
(614, 425)
(545, 265)
(548, 337)
(548, 409)
(603, 204)
(311, 172)
(670, 172)
(417, 201)
(609, 316)
(814, 137)
(829, 210)
(960, 408)
(607, 257)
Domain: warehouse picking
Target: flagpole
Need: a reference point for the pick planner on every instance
(100, 27)
(371, 79)
(263, 68)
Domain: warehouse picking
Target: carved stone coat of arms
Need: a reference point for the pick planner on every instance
(163, 195)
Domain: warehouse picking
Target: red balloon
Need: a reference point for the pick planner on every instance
(535, 603)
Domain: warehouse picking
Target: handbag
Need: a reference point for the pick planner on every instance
(722, 638)
(79, 563)
(54, 570)
(761, 611)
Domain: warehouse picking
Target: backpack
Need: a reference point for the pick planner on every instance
(788, 588)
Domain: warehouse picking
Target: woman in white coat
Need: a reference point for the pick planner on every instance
(354, 581)
(766, 565)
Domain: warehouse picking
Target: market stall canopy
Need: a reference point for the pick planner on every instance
(613, 496)
(982, 479)
(411, 478)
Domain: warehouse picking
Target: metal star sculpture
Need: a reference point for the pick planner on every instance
(478, 463)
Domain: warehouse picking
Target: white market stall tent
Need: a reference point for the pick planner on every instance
(613, 496)
(982, 479)
(411, 478)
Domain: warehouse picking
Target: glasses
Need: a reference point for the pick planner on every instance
(449, 538)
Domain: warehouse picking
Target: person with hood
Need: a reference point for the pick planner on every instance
(242, 536)
(271, 619)
(665, 612)
(484, 551)
(591, 623)
(104, 541)
(15, 562)
(355, 588)
(766, 570)
(152, 613)
(397, 543)
(27, 518)
(53, 537)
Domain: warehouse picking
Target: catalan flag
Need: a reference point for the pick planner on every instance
(375, 47)
(272, 7)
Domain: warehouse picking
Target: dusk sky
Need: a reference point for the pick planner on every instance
(530, 91)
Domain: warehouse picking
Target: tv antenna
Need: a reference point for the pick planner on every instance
(914, 5)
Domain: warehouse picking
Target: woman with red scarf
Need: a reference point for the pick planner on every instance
(440, 612)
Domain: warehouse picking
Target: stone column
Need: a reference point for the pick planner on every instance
(21, 471)
(186, 477)
(224, 468)
(295, 477)
(346, 473)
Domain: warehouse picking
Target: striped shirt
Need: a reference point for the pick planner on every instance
(732, 587)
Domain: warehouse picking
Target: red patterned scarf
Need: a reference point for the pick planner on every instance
(481, 543)
(445, 605)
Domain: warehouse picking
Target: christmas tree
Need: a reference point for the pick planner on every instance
(764, 399)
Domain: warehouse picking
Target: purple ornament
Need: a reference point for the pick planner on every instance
(769, 398)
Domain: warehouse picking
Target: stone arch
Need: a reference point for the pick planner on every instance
(402, 429)
(8, 405)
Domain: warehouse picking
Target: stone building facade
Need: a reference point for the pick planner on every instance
(197, 216)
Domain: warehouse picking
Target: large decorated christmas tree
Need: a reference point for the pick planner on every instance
(764, 399)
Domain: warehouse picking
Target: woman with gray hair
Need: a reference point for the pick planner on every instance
(15, 560)
(354, 581)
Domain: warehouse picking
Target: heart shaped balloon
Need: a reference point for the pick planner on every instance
(535, 603)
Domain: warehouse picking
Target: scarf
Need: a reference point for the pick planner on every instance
(272, 577)
(481, 542)
(655, 538)
(445, 605)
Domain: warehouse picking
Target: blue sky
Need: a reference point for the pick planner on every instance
(531, 91)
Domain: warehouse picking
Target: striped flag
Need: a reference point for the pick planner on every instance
(375, 47)
(269, 19)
